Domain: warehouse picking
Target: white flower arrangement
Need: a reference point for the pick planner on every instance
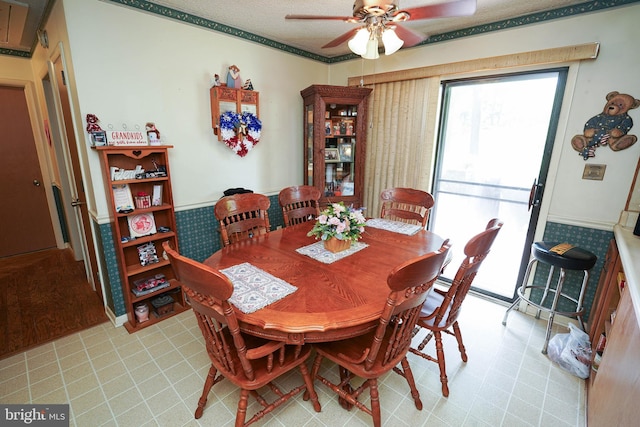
(339, 221)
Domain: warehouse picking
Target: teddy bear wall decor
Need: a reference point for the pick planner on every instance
(611, 127)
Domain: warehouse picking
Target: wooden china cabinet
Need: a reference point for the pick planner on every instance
(138, 185)
(335, 141)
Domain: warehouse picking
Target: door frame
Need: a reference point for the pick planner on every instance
(549, 162)
(80, 234)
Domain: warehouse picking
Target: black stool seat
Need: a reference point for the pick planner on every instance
(563, 255)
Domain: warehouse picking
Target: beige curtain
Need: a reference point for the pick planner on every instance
(400, 140)
(403, 110)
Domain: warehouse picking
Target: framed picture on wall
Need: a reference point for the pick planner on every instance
(346, 152)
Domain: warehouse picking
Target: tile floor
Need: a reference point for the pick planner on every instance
(155, 377)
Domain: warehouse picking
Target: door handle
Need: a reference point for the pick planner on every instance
(36, 183)
(535, 195)
(76, 202)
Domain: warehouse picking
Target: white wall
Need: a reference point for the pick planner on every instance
(131, 68)
(571, 199)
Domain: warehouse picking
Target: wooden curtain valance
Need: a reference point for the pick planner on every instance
(536, 57)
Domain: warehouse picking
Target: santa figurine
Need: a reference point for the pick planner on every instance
(153, 134)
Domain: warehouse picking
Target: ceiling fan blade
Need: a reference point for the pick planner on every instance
(332, 18)
(410, 38)
(441, 10)
(343, 38)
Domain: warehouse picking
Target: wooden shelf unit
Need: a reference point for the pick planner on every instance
(131, 269)
(225, 98)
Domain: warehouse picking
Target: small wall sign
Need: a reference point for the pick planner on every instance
(594, 172)
(126, 137)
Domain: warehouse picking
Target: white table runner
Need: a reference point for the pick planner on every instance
(394, 226)
(254, 288)
(319, 253)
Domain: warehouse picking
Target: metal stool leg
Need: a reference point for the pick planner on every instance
(565, 257)
(546, 290)
(552, 312)
(520, 291)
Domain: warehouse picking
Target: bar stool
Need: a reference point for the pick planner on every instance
(566, 257)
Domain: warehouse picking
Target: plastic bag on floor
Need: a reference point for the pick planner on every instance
(571, 351)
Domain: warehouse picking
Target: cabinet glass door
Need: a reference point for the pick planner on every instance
(308, 125)
(340, 150)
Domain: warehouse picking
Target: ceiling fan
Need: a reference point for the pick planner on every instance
(380, 20)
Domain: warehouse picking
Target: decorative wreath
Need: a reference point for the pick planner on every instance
(240, 132)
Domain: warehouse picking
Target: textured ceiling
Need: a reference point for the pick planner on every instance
(266, 18)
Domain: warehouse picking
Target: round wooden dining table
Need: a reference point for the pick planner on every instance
(332, 301)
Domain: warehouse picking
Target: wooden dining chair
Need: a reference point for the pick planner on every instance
(299, 204)
(406, 205)
(371, 355)
(242, 216)
(442, 307)
(249, 362)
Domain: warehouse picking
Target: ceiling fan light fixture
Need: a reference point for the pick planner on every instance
(358, 44)
(372, 49)
(391, 41)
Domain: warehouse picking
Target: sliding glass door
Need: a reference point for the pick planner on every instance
(495, 141)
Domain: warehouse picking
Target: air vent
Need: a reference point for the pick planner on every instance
(13, 16)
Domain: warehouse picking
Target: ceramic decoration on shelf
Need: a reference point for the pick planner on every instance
(233, 78)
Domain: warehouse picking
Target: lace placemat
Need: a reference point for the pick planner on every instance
(254, 288)
(394, 226)
(319, 253)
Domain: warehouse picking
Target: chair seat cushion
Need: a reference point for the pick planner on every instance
(563, 255)
(432, 303)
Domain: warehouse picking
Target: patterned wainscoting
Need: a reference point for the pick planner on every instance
(590, 239)
(198, 238)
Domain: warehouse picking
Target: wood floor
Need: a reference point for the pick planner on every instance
(44, 296)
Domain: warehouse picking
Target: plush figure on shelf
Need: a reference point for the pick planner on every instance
(92, 124)
(247, 85)
(233, 78)
(153, 134)
(216, 80)
(609, 127)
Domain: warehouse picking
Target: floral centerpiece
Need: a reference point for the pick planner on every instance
(338, 223)
(240, 132)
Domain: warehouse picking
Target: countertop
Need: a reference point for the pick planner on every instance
(629, 248)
